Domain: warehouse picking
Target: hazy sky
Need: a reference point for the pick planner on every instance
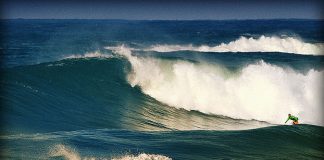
(167, 9)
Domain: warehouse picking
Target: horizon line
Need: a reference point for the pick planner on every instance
(117, 19)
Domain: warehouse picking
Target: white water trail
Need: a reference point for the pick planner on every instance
(243, 44)
(70, 154)
(260, 91)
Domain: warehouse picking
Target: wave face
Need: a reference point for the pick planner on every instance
(244, 44)
(255, 92)
(99, 96)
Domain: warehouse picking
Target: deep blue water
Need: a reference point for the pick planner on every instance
(77, 89)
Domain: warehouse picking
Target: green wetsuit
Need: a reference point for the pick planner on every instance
(293, 118)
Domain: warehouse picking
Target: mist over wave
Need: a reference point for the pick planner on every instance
(259, 91)
(244, 44)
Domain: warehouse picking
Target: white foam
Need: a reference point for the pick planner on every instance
(143, 156)
(260, 91)
(95, 54)
(64, 151)
(244, 44)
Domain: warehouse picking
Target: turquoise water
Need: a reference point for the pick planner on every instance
(103, 89)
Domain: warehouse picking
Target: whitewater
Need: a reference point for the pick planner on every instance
(251, 44)
(69, 153)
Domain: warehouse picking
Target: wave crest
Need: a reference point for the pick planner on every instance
(95, 54)
(244, 44)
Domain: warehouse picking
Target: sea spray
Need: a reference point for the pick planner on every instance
(61, 150)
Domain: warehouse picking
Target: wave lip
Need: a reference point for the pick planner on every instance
(244, 44)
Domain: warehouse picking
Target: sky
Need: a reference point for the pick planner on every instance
(162, 10)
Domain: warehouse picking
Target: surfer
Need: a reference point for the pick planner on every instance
(293, 118)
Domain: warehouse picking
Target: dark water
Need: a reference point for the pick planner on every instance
(280, 142)
(78, 89)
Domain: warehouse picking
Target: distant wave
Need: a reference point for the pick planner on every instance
(259, 91)
(95, 54)
(244, 44)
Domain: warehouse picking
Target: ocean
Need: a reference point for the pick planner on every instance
(158, 89)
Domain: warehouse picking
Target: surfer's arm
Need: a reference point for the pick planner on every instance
(287, 120)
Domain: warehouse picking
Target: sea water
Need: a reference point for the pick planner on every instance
(118, 89)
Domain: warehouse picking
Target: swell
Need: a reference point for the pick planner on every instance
(259, 91)
(92, 93)
(250, 44)
(65, 95)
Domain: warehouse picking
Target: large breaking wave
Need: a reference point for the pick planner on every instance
(259, 91)
(244, 44)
